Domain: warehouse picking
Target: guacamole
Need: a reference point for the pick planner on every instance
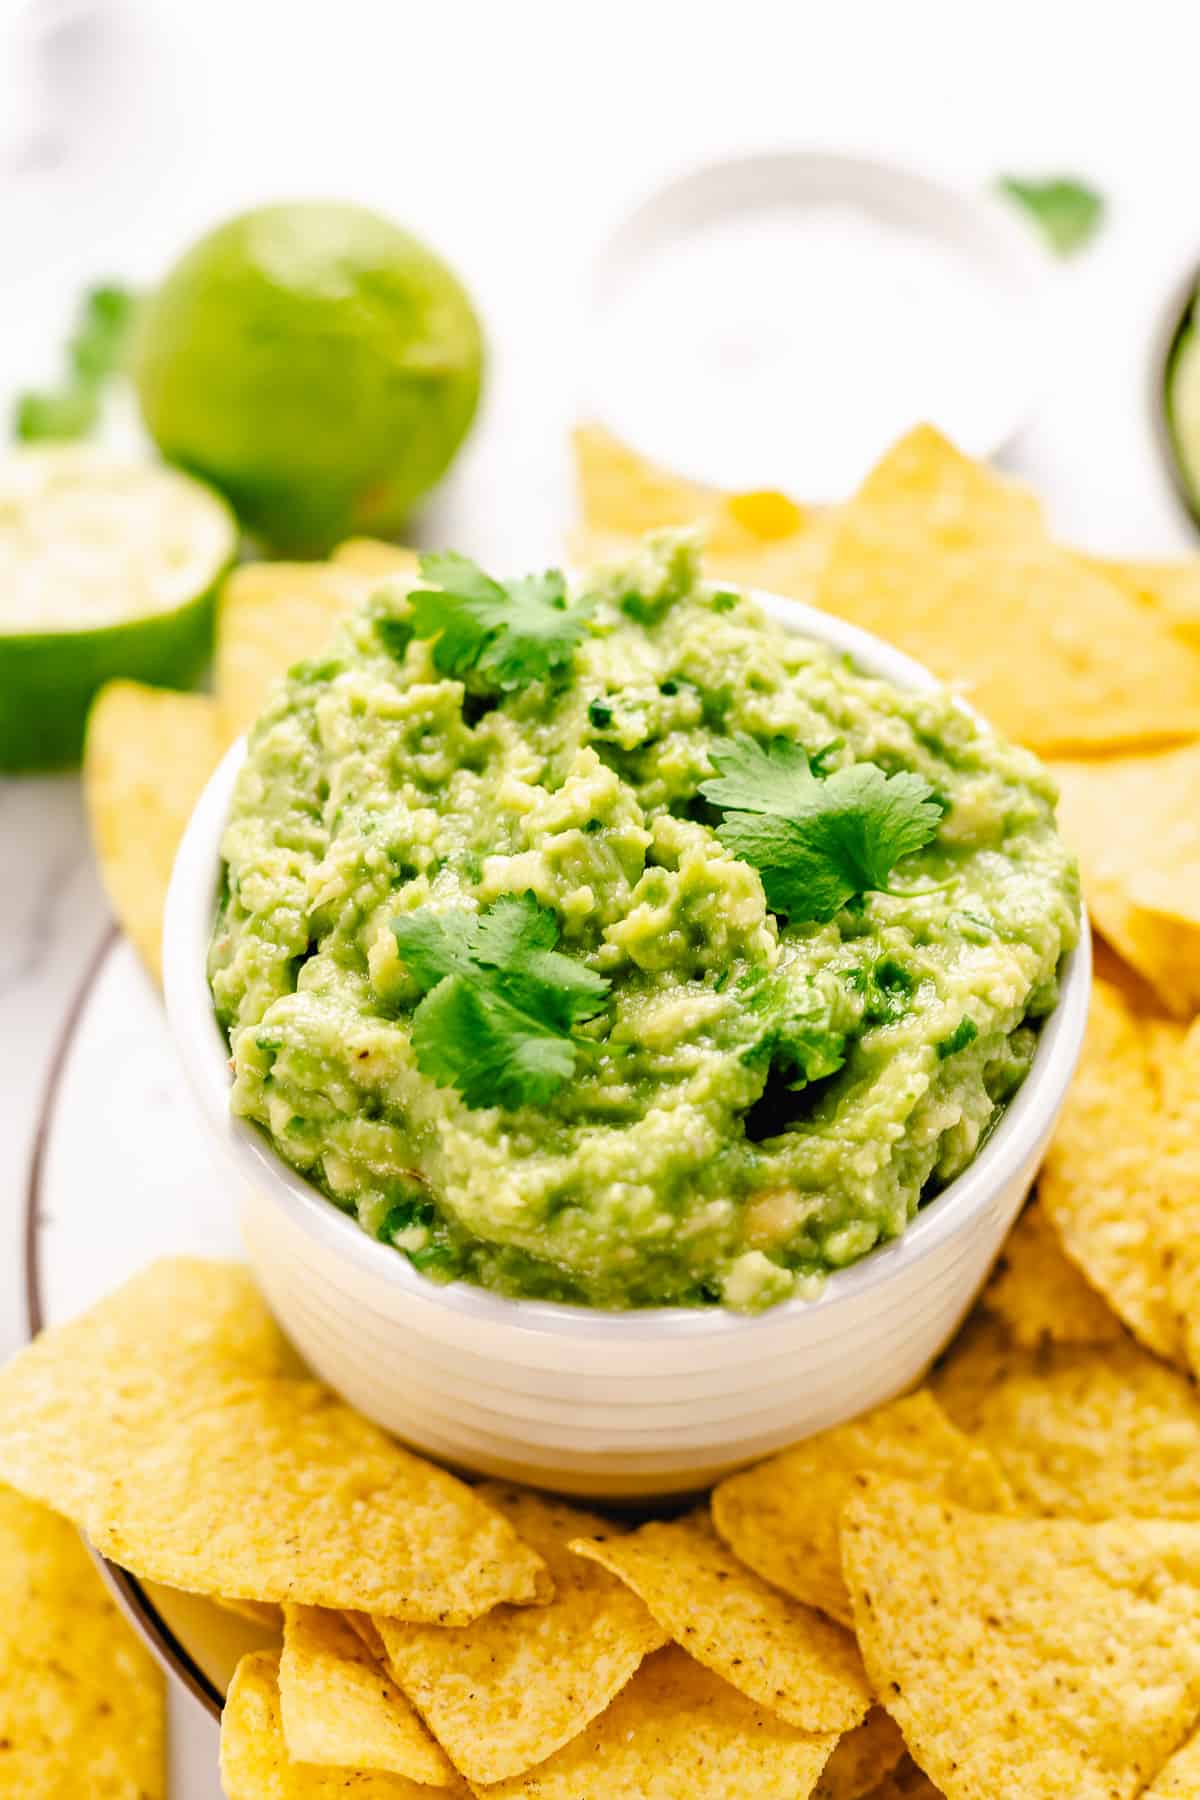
(507, 973)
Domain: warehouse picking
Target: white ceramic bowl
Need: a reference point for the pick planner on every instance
(612, 1405)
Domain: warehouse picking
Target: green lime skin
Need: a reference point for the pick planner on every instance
(48, 679)
(317, 364)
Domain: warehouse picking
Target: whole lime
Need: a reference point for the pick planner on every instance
(317, 364)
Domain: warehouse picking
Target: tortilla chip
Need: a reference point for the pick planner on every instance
(1134, 824)
(255, 1764)
(1040, 1295)
(906, 1782)
(147, 755)
(1031, 1657)
(270, 616)
(187, 1464)
(1170, 588)
(782, 1518)
(508, 1691)
(372, 556)
(339, 1707)
(1179, 1777)
(1081, 1431)
(863, 1758)
(676, 1729)
(82, 1708)
(762, 539)
(783, 1655)
(1121, 1181)
(943, 558)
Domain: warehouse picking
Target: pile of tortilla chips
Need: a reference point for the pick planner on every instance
(988, 1589)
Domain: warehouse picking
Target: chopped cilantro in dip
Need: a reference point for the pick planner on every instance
(617, 946)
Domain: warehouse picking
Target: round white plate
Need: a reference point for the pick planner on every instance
(780, 319)
(121, 1174)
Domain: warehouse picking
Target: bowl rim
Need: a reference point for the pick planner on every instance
(205, 1057)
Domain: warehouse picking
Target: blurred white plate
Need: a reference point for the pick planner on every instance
(777, 320)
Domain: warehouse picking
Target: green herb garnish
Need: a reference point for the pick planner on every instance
(500, 1002)
(1067, 212)
(505, 634)
(817, 842)
(964, 1033)
(96, 351)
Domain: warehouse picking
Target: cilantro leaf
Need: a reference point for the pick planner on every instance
(96, 352)
(499, 1004)
(817, 842)
(505, 634)
(1067, 212)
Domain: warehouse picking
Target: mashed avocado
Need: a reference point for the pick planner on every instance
(658, 1090)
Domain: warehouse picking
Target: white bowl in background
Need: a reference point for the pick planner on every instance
(606, 1404)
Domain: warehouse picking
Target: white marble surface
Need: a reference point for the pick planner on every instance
(513, 137)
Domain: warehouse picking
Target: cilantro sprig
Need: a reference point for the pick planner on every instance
(500, 1004)
(817, 841)
(501, 634)
(96, 351)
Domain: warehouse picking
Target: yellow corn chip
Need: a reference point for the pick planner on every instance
(508, 1691)
(255, 1764)
(81, 1700)
(270, 616)
(762, 539)
(1171, 588)
(782, 1518)
(1179, 1778)
(1121, 1181)
(676, 1730)
(1040, 1295)
(1133, 822)
(1081, 1431)
(339, 1707)
(863, 1758)
(374, 557)
(950, 563)
(146, 1426)
(1028, 1658)
(147, 755)
(783, 1655)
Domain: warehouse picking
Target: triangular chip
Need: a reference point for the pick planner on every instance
(676, 1732)
(147, 755)
(1121, 1181)
(143, 1422)
(785, 1656)
(863, 1758)
(374, 557)
(1133, 823)
(905, 1782)
(761, 539)
(82, 1709)
(1081, 1431)
(509, 1690)
(782, 1517)
(1031, 1657)
(1170, 588)
(255, 1764)
(339, 1707)
(270, 616)
(1040, 1294)
(946, 560)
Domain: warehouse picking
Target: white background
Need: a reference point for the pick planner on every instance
(513, 135)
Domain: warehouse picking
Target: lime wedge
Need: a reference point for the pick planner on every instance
(108, 568)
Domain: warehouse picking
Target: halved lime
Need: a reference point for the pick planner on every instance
(108, 568)
(1182, 403)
